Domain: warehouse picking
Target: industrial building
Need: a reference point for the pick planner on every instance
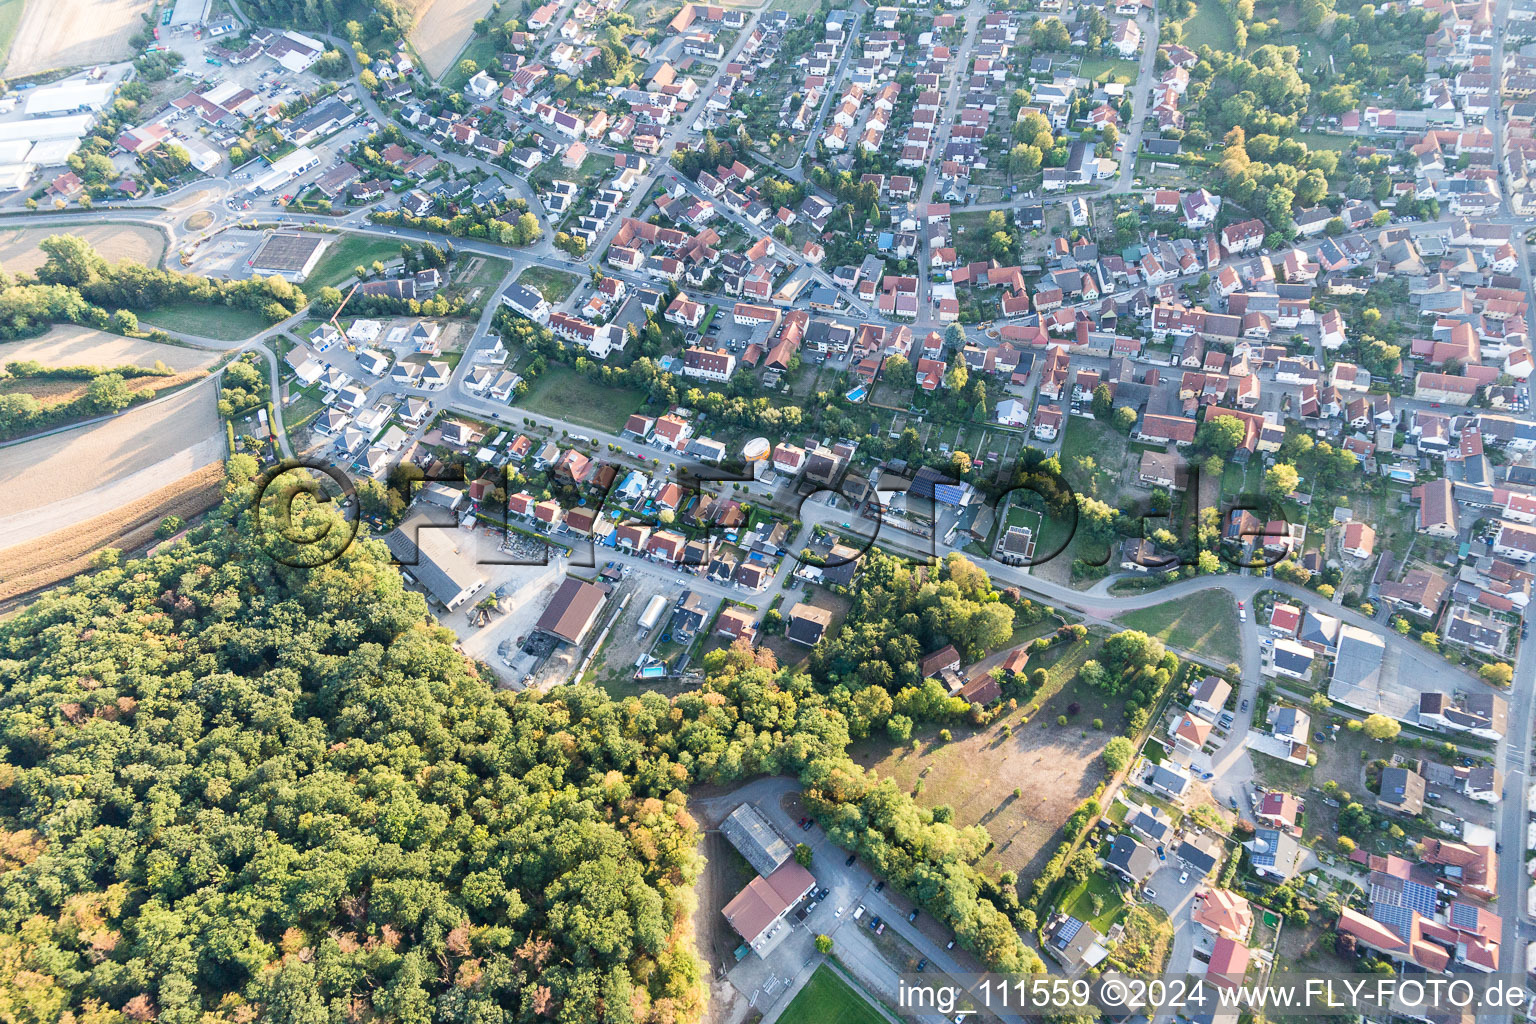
(72, 97)
(755, 839)
(429, 552)
(285, 170)
(573, 610)
(759, 912)
(289, 255)
(188, 14)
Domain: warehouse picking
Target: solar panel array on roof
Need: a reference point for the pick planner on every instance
(1399, 919)
(1406, 894)
(1264, 857)
(1067, 932)
(1419, 897)
(1464, 916)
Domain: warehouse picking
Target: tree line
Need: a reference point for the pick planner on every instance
(76, 285)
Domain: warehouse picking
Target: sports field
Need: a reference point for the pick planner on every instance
(828, 999)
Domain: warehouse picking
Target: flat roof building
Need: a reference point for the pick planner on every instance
(68, 98)
(429, 551)
(289, 255)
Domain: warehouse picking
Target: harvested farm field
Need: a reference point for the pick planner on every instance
(59, 480)
(442, 28)
(116, 242)
(82, 346)
(73, 33)
(57, 556)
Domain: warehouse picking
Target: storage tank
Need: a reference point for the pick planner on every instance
(652, 614)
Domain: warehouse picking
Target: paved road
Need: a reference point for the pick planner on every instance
(1514, 750)
(1141, 100)
(959, 64)
(833, 87)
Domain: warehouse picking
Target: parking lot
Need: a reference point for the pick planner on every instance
(227, 255)
(729, 335)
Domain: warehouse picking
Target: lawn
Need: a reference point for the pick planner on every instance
(480, 275)
(1093, 458)
(1204, 623)
(1028, 518)
(481, 50)
(593, 169)
(1089, 439)
(225, 323)
(303, 407)
(1239, 478)
(1209, 26)
(563, 393)
(554, 285)
(1101, 68)
(1321, 140)
(973, 233)
(1079, 901)
(828, 999)
(1144, 945)
(344, 254)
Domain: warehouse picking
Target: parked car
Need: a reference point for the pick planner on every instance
(1184, 878)
(922, 965)
(880, 885)
(1244, 707)
(912, 916)
(1162, 852)
(851, 858)
(1149, 893)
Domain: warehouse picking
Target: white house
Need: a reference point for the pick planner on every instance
(1012, 413)
(528, 302)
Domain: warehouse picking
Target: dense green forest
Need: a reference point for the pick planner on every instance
(233, 790)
